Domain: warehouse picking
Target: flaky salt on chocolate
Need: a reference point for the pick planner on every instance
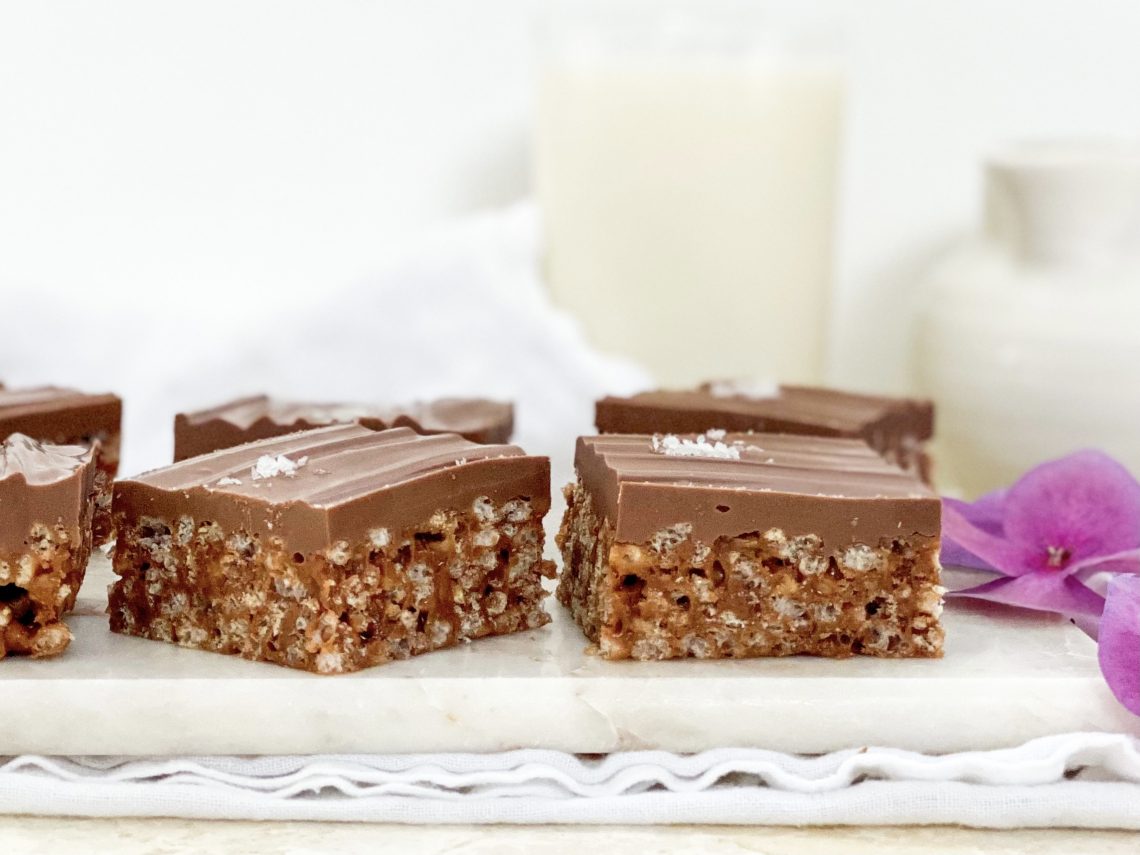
(334, 549)
(47, 499)
(897, 428)
(68, 417)
(739, 545)
(262, 417)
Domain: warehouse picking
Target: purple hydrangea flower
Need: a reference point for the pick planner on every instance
(1062, 539)
(1119, 651)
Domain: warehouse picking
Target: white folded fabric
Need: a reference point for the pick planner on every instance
(1082, 780)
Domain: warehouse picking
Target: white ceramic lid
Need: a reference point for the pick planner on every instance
(1071, 202)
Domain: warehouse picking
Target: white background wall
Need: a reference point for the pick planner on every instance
(247, 149)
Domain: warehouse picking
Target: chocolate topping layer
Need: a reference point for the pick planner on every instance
(57, 415)
(41, 484)
(261, 417)
(838, 489)
(348, 481)
(786, 409)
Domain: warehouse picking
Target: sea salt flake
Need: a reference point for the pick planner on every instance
(754, 389)
(229, 482)
(673, 446)
(270, 466)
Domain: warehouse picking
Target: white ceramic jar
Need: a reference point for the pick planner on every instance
(1029, 338)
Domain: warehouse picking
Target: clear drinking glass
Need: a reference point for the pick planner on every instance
(686, 160)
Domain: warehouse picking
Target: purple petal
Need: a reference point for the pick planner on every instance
(1085, 503)
(954, 555)
(1043, 591)
(961, 538)
(1088, 624)
(1126, 563)
(1096, 573)
(1119, 650)
(987, 513)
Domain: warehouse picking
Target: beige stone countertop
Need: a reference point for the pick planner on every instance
(34, 835)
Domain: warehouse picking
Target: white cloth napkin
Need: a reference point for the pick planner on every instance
(1081, 780)
(461, 312)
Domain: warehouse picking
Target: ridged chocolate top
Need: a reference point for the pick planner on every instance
(782, 409)
(347, 480)
(262, 417)
(838, 489)
(41, 483)
(57, 415)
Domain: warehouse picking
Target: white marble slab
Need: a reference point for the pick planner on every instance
(1006, 677)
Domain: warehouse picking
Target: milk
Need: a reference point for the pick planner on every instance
(688, 204)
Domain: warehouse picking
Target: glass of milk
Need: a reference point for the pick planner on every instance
(686, 159)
